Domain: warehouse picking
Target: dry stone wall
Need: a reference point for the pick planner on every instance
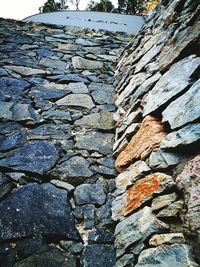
(56, 137)
(157, 141)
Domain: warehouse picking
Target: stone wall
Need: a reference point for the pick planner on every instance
(157, 204)
(56, 137)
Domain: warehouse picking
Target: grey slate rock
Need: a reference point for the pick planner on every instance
(103, 214)
(56, 114)
(89, 216)
(3, 72)
(24, 113)
(37, 209)
(52, 63)
(104, 170)
(6, 113)
(52, 258)
(5, 185)
(47, 93)
(95, 141)
(184, 109)
(36, 157)
(90, 194)
(174, 255)
(172, 82)
(43, 52)
(68, 78)
(183, 137)
(9, 127)
(76, 100)
(74, 170)
(13, 140)
(101, 237)
(12, 87)
(96, 255)
(71, 246)
(102, 93)
(48, 132)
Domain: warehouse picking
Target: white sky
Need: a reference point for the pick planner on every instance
(20, 9)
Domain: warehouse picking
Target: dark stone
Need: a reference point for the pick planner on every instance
(71, 246)
(89, 216)
(21, 40)
(12, 140)
(95, 141)
(56, 114)
(37, 157)
(68, 78)
(101, 237)
(75, 170)
(12, 87)
(8, 47)
(48, 93)
(52, 258)
(3, 72)
(90, 194)
(5, 185)
(9, 127)
(37, 209)
(104, 170)
(48, 131)
(97, 255)
(103, 214)
(107, 162)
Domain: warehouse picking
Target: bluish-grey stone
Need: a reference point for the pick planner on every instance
(36, 157)
(37, 209)
(90, 194)
(13, 140)
(48, 93)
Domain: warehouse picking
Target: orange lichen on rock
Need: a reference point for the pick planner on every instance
(140, 193)
(149, 136)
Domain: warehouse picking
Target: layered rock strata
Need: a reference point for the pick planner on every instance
(157, 141)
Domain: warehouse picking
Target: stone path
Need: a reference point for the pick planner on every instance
(56, 132)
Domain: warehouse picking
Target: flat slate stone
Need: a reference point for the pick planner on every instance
(6, 113)
(98, 255)
(12, 87)
(26, 71)
(172, 82)
(76, 100)
(102, 93)
(179, 255)
(74, 170)
(52, 258)
(48, 93)
(37, 209)
(82, 63)
(184, 109)
(36, 157)
(52, 63)
(90, 194)
(68, 78)
(24, 113)
(95, 141)
(13, 140)
(183, 137)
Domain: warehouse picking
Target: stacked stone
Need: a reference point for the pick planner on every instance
(56, 131)
(157, 141)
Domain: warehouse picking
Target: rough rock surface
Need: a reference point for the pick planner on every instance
(149, 136)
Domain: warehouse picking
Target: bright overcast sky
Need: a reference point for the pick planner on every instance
(20, 9)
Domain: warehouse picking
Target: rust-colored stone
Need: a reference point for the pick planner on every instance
(149, 136)
(141, 192)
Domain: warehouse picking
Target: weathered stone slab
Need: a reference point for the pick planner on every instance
(14, 88)
(33, 217)
(76, 100)
(95, 141)
(102, 93)
(134, 172)
(172, 210)
(167, 239)
(26, 71)
(73, 171)
(104, 255)
(139, 193)
(90, 194)
(163, 201)
(184, 109)
(78, 88)
(12, 140)
(48, 93)
(6, 113)
(36, 157)
(102, 120)
(179, 255)
(149, 136)
(132, 231)
(52, 63)
(161, 159)
(172, 82)
(82, 63)
(24, 113)
(185, 136)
